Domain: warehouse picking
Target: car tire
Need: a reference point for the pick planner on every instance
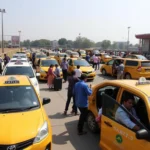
(92, 124)
(128, 76)
(104, 73)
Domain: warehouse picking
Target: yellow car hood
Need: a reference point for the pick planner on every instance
(86, 69)
(19, 127)
(46, 68)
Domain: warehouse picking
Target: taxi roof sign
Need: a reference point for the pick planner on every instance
(11, 80)
(142, 81)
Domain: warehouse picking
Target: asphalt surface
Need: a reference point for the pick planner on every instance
(64, 128)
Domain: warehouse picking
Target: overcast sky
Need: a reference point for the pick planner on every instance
(94, 19)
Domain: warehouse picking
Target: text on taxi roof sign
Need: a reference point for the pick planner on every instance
(142, 81)
(11, 80)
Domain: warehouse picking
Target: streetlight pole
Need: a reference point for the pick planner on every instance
(128, 39)
(19, 38)
(2, 11)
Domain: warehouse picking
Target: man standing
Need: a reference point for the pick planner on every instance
(82, 91)
(120, 70)
(57, 71)
(64, 66)
(6, 59)
(78, 72)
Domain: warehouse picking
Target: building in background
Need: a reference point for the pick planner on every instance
(144, 42)
(54, 44)
(120, 45)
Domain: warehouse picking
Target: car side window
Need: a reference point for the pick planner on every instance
(110, 62)
(139, 107)
(111, 109)
(109, 90)
(131, 63)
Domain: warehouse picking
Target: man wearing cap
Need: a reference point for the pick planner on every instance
(81, 92)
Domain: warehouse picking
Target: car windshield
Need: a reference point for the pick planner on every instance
(47, 63)
(19, 70)
(145, 64)
(141, 57)
(52, 54)
(81, 63)
(19, 60)
(22, 56)
(82, 52)
(17, 98)
(41, 56)
(62, 55)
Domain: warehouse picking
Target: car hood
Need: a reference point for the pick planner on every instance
(46, 68)
(86, 69)
(18, 127)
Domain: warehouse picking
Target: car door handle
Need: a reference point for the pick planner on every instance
(108, 123)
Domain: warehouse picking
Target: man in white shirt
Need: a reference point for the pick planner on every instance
(78, 72)
(122, 117)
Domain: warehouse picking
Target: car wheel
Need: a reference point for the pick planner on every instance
(104, 72)
(128, 76)
(92, 124)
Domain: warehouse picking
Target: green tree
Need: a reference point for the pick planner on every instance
(114, 45)
(69, 44)
(26, 43)
(106, 44)
(62, 41)
(98, 44)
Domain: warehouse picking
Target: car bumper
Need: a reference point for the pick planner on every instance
(91, 76)
(138, 75)
(45, 144)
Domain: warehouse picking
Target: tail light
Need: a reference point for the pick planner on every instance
(139, 68)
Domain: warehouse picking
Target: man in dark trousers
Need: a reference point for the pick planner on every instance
(82, 91)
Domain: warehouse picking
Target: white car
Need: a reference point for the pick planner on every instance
(20, 59)
(22, 68)
(19, 55)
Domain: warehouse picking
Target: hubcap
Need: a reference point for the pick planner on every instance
(128, 76)
(103, 72)
(91, 122)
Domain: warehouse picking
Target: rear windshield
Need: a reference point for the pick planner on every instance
(145, 64)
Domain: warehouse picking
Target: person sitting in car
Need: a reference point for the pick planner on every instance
(122, 117)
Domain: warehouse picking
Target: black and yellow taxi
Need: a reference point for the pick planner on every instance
(24, 122)
(85, 67)
(44, 66)
(109, 96)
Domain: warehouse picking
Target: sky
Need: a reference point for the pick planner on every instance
(95, 19)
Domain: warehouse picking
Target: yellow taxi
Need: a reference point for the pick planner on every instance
(38, 56)
(24, 123)
(134, 68)
(83, 53)
(28, 53)
(44, 66)
(60, 56)
(109, 96)
(105, 57)
(52, 54)
(84, 66)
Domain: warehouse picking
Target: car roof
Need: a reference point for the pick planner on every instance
(22, 64)
(77, 58)
(19, 54)
(130, 59)
(23, 80)
(18, 59)
(131, 84)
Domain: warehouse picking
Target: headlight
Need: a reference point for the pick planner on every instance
(42, 71)
(43, 132)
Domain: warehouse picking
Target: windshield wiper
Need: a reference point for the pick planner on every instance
(17, 109)
(10, 110)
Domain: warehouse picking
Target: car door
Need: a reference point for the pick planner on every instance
(114, 135)
(109, 67)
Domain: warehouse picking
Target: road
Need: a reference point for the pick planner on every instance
(64, 128)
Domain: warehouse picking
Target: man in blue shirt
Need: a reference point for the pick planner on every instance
(82, 91)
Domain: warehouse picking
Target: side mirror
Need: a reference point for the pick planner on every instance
(142, 134)
(46, 101)
(37, 74)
